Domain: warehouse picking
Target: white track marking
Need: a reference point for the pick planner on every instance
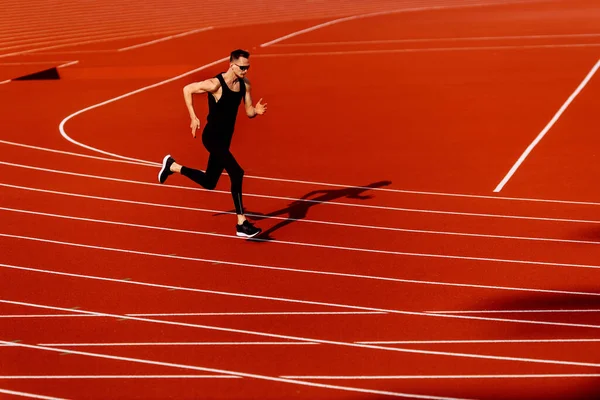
(226, 372)
(6, 81)
(287, 300)
(332, 203)
(28, 395)
(206, 314)
(136, 344)
(512, 311)
(427, 50)
(306, 220)
(345, 186)
(8, 64)
(47, 53)
(68, 64)
(450, 39)
(381, 377)
(312, 340)
(547, 128)
(370, 15)
(137, 46)
(292, 243)
(61, 127)
(26, 44)
(9, 316)
(283, 269)
(399, 377)
(256, 313)
(69, 377)
(498, 341)
(79, 42)
(72, 154)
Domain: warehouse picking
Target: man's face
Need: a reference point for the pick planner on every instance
(240, 66)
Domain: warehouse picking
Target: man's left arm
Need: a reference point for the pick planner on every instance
(253, 111)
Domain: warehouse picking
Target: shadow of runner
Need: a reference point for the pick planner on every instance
(299, 209)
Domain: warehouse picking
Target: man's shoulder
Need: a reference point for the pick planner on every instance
(215, 83)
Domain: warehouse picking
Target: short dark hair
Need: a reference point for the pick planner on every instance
(236, 54)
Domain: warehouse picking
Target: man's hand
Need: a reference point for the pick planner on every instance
(259, 108)
(195, 124)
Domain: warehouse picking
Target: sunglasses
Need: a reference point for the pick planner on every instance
(243, 67)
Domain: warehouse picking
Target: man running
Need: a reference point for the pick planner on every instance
(226, 93)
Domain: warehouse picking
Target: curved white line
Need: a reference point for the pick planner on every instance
(61, 127)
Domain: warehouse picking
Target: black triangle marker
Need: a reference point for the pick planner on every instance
(51, 73)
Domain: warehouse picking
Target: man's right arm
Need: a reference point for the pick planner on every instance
(209, 85)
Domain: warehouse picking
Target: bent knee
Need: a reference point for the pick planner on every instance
(211, 185)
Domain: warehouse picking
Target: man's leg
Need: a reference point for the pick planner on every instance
(207, 180)
(236, 175)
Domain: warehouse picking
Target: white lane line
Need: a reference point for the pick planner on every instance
(428, 50)
(136, 344)
(64, 52)
(73, 40)
(6, 81)
(547, 128)
(28, 395)
(294, 301)
(73, 43)
(513, 311)
(299, 244)
(71, 153)
(7, 64)
(370, 15)
(282, 269)
(419, 342)
(164, 39)
(441, 39)
(292, 243)
(199, 314)
(312, 340)
(398, 377)
(227, 372)
(344, 186)
(496, 341)
(69, 377)
(43, 316)
(68, 64)
(257, 313)
(306, 220)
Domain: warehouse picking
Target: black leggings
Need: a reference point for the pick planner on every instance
(218, 161)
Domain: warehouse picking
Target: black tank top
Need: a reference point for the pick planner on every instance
(222, 114)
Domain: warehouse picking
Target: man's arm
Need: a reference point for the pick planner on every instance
(209, 85)
(252, 111)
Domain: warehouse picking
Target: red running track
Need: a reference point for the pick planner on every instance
(390, 268)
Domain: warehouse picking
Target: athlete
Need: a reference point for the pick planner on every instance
(226, 92)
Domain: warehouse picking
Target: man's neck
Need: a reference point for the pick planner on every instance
(230, 76)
